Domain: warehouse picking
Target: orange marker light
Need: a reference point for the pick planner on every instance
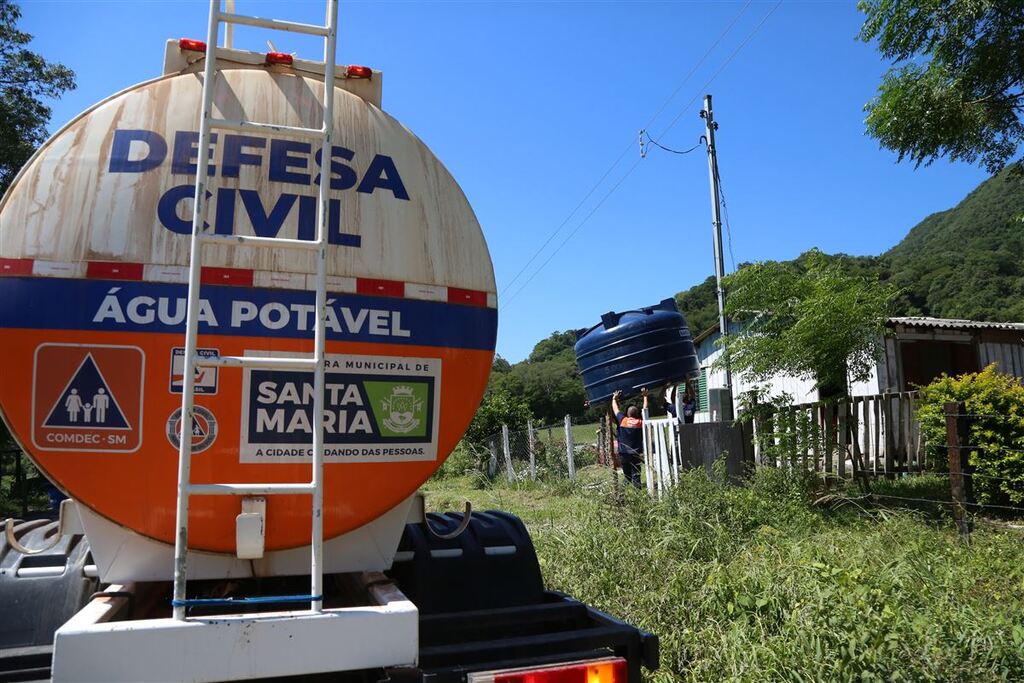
(279, 58)
(190, 45)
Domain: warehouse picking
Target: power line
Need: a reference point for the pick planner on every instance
(625, 151)
(633, 167)
(575, 230)
(725, 64)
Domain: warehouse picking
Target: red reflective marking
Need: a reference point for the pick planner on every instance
(15, 266)
(192, 45)
(226, 276)
(365, 285)
(466, 296)
(113, 270)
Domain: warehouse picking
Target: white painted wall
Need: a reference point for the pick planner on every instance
(800, 389)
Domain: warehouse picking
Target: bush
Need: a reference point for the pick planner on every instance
(995, 404)
(462, 461)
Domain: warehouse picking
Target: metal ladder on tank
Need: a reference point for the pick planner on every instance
(201, 238)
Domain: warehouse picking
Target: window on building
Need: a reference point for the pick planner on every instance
(702, 390)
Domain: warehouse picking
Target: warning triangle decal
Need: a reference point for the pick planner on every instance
(87, 402)
(197, 428)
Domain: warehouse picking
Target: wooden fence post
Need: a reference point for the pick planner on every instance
(612, 451)
(829, 440)
(956, 475)
(533, 453)
(766, 427)
(842, 437)
(492, 465)
(890, 437)
(867, 433)
(570, 448)
(508, 454)
(816, 442)
(901, 437)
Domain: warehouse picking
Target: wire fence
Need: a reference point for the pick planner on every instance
(545, 452)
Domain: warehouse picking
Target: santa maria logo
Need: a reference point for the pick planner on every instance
(400, 409)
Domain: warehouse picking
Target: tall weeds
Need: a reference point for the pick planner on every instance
(756, 584)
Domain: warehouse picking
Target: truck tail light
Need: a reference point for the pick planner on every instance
(610, 670)
(354, 71)
(190, 45)
(279, 58)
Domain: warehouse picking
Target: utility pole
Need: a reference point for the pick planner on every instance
(716, 222)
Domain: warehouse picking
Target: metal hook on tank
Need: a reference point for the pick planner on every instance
(14, 543)
(466, 518)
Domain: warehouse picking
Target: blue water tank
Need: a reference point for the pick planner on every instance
(635, 349)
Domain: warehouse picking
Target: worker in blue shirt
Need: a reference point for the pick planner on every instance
(631, 437)
(689, 403)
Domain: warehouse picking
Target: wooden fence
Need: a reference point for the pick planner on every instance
(878, 434)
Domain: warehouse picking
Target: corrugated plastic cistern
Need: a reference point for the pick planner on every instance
(638, 349)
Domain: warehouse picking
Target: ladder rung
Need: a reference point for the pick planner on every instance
(256, 127)
(276, 24)
(249, 489)
(249, 241)
(261, 362)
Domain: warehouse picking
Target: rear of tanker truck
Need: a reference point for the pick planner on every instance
(338, 269)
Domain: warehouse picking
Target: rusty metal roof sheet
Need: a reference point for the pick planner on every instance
(953, 324)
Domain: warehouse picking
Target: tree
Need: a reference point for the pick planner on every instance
(500, 365)
(812, 319)
(25, 77)
(957, 86)
(498, 407)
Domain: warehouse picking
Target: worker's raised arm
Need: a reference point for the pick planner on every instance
(644, 392)
(615, 403)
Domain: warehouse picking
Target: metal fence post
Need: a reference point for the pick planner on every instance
(570, 448)
(508, 453)
(956, 475)
(533, 453)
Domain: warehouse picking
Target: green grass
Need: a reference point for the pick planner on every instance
(758, 583)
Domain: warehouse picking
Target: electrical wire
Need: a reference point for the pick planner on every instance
(686, 107)
(625, 151)
(575, 230)
(654, 142)
(725, 214)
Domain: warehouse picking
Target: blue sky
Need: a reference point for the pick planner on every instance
(529, 104)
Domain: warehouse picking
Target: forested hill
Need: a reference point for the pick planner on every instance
(966, 262)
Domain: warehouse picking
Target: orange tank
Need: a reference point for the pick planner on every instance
(94, 242)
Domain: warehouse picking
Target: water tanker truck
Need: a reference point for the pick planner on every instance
(245, 315)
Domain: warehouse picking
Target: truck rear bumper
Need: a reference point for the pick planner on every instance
(237, 646)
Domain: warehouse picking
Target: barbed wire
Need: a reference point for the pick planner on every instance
(975, 447)
(948, 502)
